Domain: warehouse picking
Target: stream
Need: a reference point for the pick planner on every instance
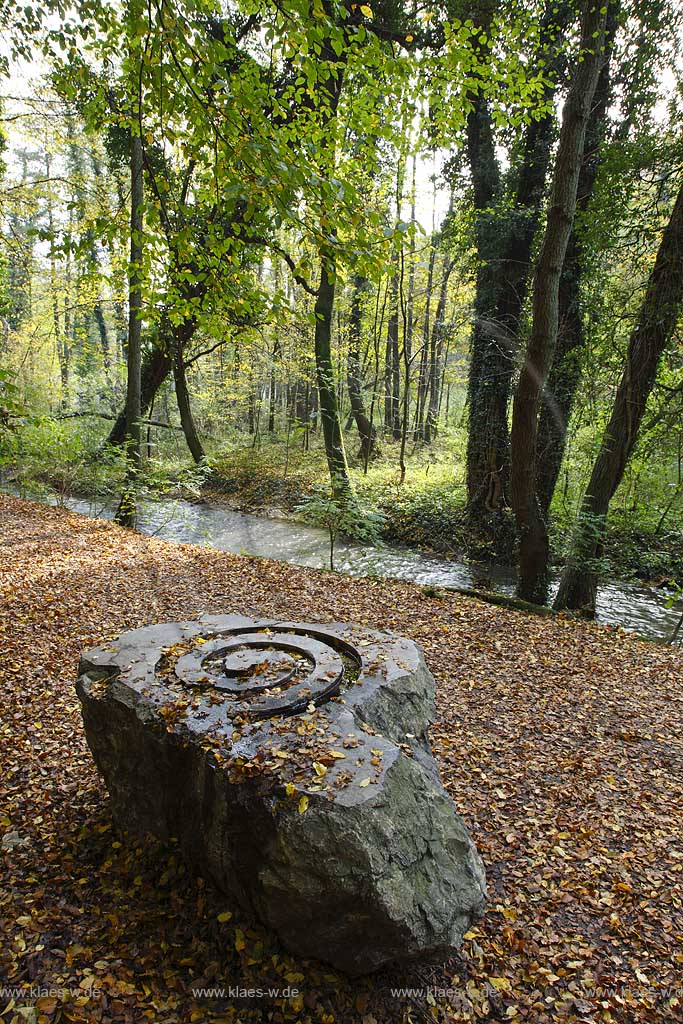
(636, 608)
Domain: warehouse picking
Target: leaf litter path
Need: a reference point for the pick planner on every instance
(559, 741)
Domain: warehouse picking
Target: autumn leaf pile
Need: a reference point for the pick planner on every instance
(559, 741)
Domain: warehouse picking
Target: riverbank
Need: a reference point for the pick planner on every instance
(428, 512)
(561, 743)
(643, 546)
(644, 612)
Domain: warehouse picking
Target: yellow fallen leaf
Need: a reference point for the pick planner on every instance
(225, 916)
(365, 782)
(319, 769)
(303, 804)
(367, 11)
(240, 942)
(500, 984)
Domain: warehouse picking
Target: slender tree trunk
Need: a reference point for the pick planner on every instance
(392, 409)
(407, 302)
(366, 431)
(436, 354)
(183, 398)
(251, 409)
(68, 298)
(98, 312)
(406, 305)
(392, 417)
(61, 337)
(103, 333)
(565, 371)
(272, 386)
(327, 392)
(533, 533)
(656, 323)
(121, 330)
(423, 371)
(126, 514)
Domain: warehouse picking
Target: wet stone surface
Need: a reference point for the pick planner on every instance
(292, 763)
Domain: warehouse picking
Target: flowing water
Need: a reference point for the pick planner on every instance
(640, 609)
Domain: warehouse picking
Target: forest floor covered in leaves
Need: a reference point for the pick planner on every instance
(560, 742)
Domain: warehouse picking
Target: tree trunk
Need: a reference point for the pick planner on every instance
(657, 320)
(504, 245)
(533, 533)
(272, 386)
(565, 371)
(366, 430)
(98, 312)
(407, 302)
(327, 392)
(392, 415)
(491, 362)
(156, 367)
(423, 371)
(436, 354)
(562, 383)
(126, 514)
(61, 337)
(184, 406)
(406, 305)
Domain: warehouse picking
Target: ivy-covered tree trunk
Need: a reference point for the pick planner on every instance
(504, 241)
(565, 371)
(490, 363)
(656, 323)
(366, 430)
(327, 392)
(533, 533)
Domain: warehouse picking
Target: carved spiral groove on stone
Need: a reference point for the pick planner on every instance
(271, 671)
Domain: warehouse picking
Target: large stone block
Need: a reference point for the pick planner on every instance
(292, 763)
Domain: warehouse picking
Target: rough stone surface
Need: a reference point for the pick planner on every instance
(292, 763)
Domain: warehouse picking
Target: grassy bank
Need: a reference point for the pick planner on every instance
(425, 512)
